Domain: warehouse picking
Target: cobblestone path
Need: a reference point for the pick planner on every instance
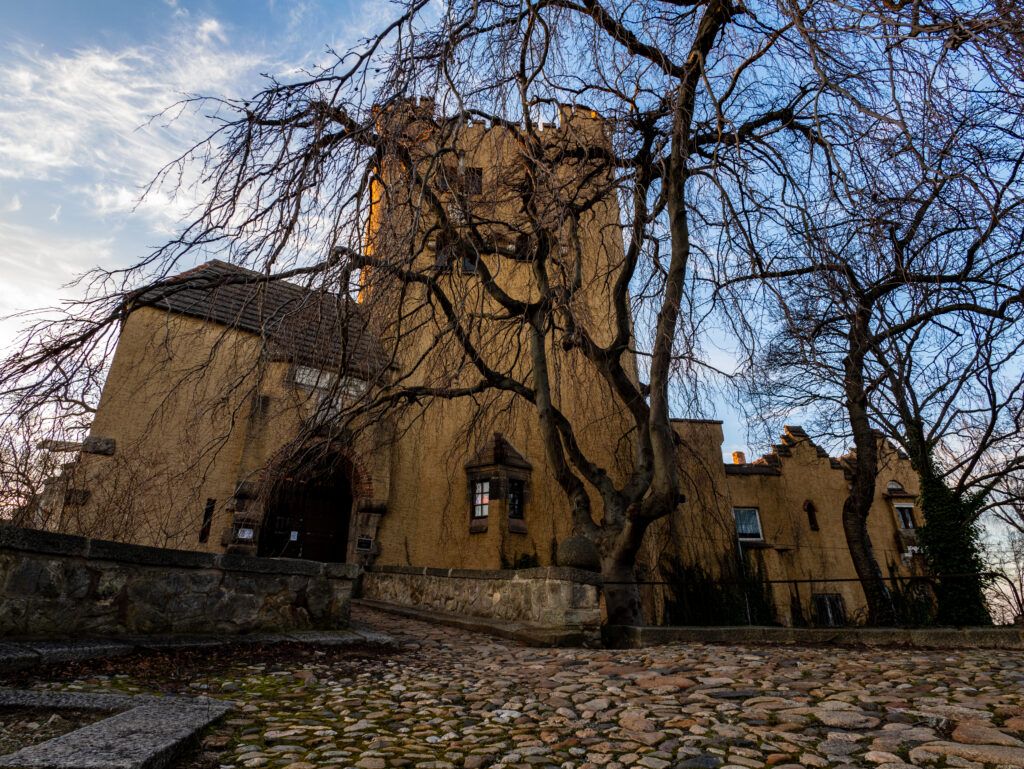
(453, 699)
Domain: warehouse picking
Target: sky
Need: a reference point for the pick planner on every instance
(83, 84)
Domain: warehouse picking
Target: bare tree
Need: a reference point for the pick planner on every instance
(919, 220)
(709, 113)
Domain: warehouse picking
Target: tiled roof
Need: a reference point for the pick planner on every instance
(301, 325)
(498, 451)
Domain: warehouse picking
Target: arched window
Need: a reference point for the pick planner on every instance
(812, 515)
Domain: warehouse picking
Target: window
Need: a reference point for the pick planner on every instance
(516, 498)
(829, 610)
(481, 499)
(204, 530)
(906, 515)
(812, 515)
(364, 544)
(329, 381)
(748, 523)
(469, 262)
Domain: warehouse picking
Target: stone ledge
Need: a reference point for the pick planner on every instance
(16, 655)
(528, 633)
(47, 542)
(556, 573)
(254, 564)
(148, 732)
(633, 637)
(106, 550)
(52, 543)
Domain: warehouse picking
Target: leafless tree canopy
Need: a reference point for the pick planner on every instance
(844, 175)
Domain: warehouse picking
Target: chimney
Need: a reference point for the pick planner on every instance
(739, 458)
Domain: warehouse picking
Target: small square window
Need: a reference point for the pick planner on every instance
(748, 523)
(481, 499)
(906, 516)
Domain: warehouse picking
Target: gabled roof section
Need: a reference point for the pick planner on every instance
(497, 451)
(300, 325)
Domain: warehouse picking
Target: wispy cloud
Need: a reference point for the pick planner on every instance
(210, 30)
(37, 264)
(89, 112)
(55, 216)
(14, 204)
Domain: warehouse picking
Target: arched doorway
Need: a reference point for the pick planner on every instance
(308, 514)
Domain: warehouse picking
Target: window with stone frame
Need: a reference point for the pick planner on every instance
(516, 498)
(481, 503)
(748, 524)
(905, 514)
(498, 474)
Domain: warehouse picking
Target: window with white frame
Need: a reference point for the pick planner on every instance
(481, 498)
(748, 524)
(906, 515)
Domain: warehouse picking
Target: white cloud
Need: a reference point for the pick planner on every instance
(37, 265)
(55, 216)
(211, 29)
(91, 109)
(13, 205)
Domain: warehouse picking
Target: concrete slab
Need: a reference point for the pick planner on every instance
(148, 736)
(14, 656)
(55, 700)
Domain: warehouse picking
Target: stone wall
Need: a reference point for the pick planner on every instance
(59, 585)
(551, 597)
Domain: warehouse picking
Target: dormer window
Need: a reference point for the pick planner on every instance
(499, 484)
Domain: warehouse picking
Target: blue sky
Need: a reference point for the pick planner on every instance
(79, 80)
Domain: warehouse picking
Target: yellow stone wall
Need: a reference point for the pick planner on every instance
(792, 550)
(181, 396)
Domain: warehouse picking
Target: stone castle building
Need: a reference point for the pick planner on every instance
(202, 437)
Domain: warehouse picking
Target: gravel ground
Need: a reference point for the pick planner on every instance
(21, 727)
(450, 699)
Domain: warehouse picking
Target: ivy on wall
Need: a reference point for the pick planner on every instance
(950, 543)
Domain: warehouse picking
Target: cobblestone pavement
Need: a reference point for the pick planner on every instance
(452, 699)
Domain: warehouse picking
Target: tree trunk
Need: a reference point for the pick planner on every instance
(855, 526)
(621, 592)
(618, 569)
(865, 474)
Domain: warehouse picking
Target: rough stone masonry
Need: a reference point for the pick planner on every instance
(60, 585)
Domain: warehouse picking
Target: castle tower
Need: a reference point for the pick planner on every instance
(462, 212)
